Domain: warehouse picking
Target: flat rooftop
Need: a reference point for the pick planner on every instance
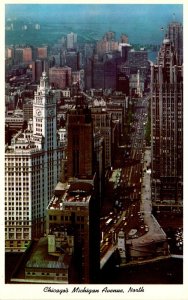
(71, 194)
(41, 259)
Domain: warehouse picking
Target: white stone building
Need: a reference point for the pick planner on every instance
(32, 167)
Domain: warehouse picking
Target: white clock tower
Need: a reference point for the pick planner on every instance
(44, 116)
(45, 139)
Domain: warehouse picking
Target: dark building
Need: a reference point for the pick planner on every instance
(60, 77)
(72, 60)
(28, 110)
(18, 55)
(122, 82)
(80, 156)
(98, 75)
(37, 68)
(75, 202)
(110, 73)
(77, 207)
(167, 126)
(101, 74)
(89, 73)
(138, 60)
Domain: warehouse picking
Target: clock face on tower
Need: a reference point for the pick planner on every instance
(38, 112)
(50, 112)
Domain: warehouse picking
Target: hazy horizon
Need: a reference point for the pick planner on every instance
(141, 22)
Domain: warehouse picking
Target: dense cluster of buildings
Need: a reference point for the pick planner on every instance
(69, 108)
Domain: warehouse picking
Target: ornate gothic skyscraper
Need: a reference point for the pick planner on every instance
(167, 126)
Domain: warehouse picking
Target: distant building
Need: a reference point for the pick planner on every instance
(60, 77)
(37, 67)
(10, 52)
(72, 60)
(124, 48)
(27, 55)
(101, 75)
(107, 44)
(136, 84)
(138, 60)
(28, 110)
(42, 52)
(71, 41)
(124, 38)
(18, 55)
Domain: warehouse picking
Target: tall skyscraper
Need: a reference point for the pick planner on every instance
(75, 203)
(71, 41)
(80, 129)
(167, 126)
(32, 164)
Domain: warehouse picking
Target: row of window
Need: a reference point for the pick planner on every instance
(16, 218)
(20, 223)
(46, 274)
(66, 218)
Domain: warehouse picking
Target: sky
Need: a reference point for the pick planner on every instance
(95, 12)
(141, 22)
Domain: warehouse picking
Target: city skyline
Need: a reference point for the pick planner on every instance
(107, 21)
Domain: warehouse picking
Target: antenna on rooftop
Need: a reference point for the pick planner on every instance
(174, 17)
(44, 65)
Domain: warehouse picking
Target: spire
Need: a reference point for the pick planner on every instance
(44, 75)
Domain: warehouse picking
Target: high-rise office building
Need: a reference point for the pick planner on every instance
(27, 55)
(32, 164)
(72, 60)
(60, 77)
(167, 126)
(80, 129)
(18, 55)
(71, 41)
(138, 60)
(42, 52)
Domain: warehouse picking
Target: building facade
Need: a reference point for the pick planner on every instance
(102, 120)
(167, 126)
(27, 55)
(60, 77)
(71, 41)
(80, 130)
(32, 166)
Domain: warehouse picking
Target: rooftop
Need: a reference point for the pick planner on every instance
(74, 193)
